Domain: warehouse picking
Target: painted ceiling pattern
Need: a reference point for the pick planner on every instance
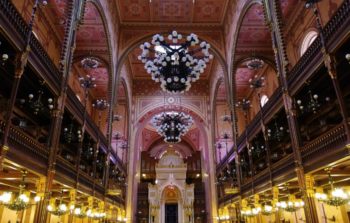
(171, 11)
(147, 87)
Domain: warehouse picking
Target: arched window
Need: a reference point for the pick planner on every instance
(263, 100)
(307, 41)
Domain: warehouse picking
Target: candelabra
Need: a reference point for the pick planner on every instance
(226, 118)
(257, 82)
(22, 201)
(71, 134)
(86, 83)
(100, 105)
(257, 149)
(117, 118)
(312, 104)
(244, 104)
(60, 209)
(36, 103)
(337, 196)
(277, 133)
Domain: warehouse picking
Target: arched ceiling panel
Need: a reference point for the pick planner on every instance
(254, 35)
(91, 35)
(171, 11)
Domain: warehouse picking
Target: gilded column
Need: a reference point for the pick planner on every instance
(275, 193)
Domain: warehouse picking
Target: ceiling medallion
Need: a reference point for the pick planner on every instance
(172, 125)
(175, 62)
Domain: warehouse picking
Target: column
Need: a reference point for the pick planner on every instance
(310, 182)
(74, 14)
(71, 205)
(275, 24)
(275, 193)
(40, 188)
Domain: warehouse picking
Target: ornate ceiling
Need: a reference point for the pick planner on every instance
(254, 39)
(92, 31)
(141, 18)
(133, 12)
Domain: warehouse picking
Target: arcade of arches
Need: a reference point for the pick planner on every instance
(270, 138)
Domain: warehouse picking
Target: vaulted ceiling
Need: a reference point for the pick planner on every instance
(133, 12)
(140, 18)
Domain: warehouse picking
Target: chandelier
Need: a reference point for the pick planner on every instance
(255, 63)
(79, 213)
(100, 104)
(175, 63)
(22, 201)
(36, 102)
(70, 135)
(312, 105)
(244, 104)
(290, 206)
(277, 133)
(96, 215)
(267, 210)
(60, 209)
(257, 82)
(172, 125)
(337, 196)
(90, 63)
(251, 212)
(57, 210)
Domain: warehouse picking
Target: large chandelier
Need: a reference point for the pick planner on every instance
(90, 63)
(60, 209)
(175, 63)
(172, 125)
(20, 202)
(251, 212)
(255, 63)
(95, 214)
(291, 205)
(337, 196)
